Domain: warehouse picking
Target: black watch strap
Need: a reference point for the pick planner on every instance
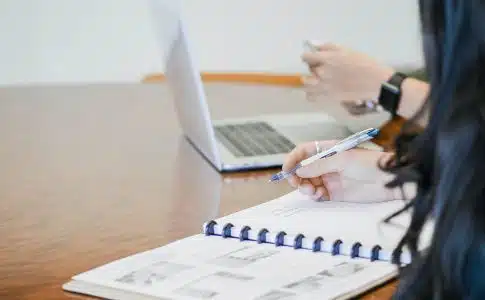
(390, 94)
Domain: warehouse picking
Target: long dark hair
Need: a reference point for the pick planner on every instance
(446, 160)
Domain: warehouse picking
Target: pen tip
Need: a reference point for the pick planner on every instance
(274, 178)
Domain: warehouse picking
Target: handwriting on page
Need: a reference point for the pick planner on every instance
(328, 207)
(288, 211)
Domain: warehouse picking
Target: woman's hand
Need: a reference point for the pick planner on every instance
(343, 74)
(350, 176)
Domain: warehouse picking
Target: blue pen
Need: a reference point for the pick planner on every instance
(343, 145)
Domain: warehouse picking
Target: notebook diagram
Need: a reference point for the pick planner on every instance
(153, 274)
(247, 255)
(288, 211)
(315, 207)
(243, 257)
(343, 269)
(276, 295)
(319, 280)
(210, 286)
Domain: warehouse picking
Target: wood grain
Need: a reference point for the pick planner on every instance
(90, 174)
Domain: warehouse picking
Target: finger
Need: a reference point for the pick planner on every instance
(328, 47)
(302, 152)
(310, 81)
(306, 188)
(317, 71)
(327, 144)
(333, 185)
(320, 188)
(316, 181)
(314, 59)
(312, 86)
(335, 163)
(294, 181)
(322, 167)
(320, 193)
(322, 88)
(298, 154)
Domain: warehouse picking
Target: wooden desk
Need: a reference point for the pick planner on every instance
(94, 173)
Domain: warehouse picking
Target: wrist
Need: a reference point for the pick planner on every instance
(414, 93)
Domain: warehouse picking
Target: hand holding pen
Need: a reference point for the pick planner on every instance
(343, 145)
(339, 171)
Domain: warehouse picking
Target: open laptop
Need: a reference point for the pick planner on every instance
(236, 144)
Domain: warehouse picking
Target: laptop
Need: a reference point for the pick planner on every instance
(230, 145)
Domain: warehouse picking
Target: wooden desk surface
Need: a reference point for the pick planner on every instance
(90, 174)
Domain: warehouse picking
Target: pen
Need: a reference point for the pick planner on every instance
(310, 46)
(343, 145)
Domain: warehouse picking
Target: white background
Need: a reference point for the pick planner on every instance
(51, 41)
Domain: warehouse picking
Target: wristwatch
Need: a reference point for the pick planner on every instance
(390, 94)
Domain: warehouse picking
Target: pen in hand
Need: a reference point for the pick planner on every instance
(343, 145)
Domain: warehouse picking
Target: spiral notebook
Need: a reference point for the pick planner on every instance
(288, 248)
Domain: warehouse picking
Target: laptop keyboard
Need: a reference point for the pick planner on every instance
(252, 139)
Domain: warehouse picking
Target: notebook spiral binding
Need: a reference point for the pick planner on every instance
(297, 242)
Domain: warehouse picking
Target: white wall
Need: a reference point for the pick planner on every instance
(49, 41)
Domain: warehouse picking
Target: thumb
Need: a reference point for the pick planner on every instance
(332, 164)
(315, 59)
(312, 58)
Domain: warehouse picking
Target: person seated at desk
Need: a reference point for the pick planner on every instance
(337, 72)
(444, 162)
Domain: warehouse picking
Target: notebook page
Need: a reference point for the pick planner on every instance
(351, 223)
(208, 267)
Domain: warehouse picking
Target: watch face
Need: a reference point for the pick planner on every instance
(361, 107)
(388, 99)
